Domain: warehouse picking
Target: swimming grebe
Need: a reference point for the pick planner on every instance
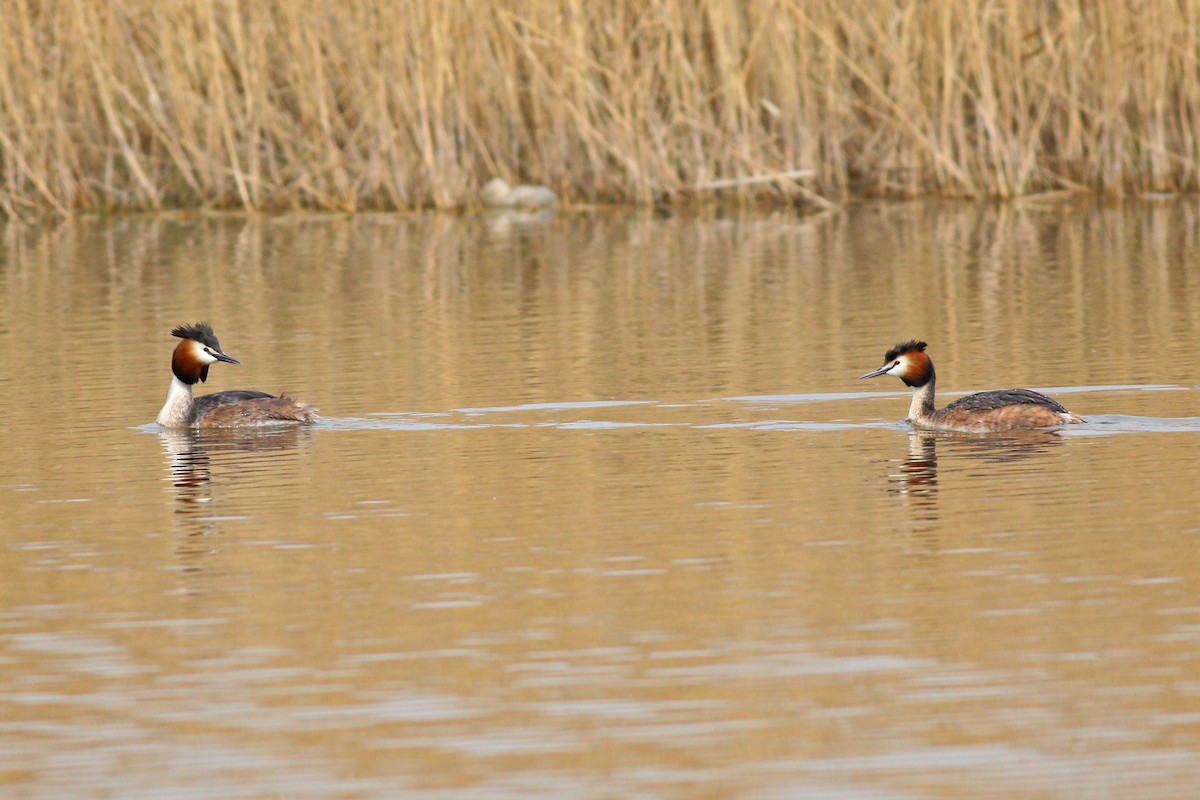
(498, 194)
(1003, 410)
(190, 363)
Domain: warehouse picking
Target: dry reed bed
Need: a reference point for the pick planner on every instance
(377, 103)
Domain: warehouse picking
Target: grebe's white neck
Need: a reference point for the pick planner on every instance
(177, 411)
(921, 410)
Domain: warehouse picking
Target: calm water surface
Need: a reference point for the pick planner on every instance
(599, 509)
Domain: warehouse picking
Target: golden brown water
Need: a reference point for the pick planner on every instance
(599, 508)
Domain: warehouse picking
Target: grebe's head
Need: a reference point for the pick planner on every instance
(496, 192)
(198, 349)
(908, 362)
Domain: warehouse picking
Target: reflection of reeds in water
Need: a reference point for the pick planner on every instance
(347, 105)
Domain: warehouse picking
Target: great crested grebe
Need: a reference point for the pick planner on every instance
(1002, 410)
(239, 407)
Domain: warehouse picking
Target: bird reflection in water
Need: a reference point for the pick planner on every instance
(916, 480)
(917, 477)
(191, 453)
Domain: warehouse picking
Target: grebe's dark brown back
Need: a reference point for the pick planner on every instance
(189, 364)
(1002, 410)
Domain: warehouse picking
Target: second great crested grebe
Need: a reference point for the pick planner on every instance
(236, 408)
(498, 194)
(1002, 410)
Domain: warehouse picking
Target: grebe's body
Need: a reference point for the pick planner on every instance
(190, 362)
(1003, 410)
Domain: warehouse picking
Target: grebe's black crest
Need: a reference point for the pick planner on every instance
(904, 347)
(201, 332)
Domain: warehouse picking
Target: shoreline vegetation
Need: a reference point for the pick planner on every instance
(371, 104)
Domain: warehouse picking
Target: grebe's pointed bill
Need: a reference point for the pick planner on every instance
(875, 373)
(219, 356)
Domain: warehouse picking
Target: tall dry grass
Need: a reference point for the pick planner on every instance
(347, 104)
